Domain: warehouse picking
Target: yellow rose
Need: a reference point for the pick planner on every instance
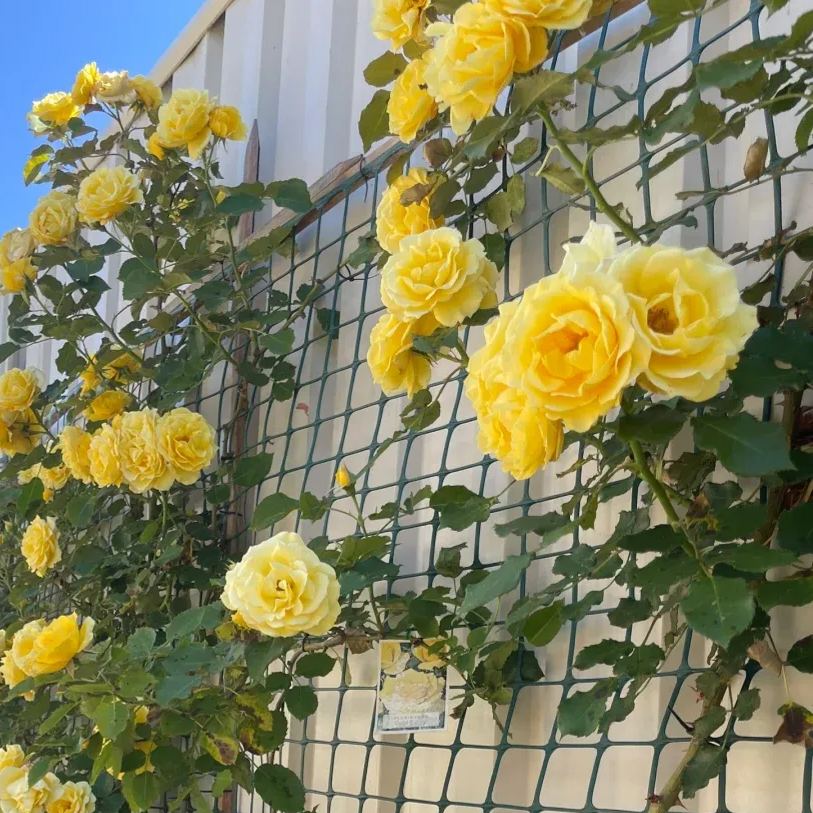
(392, 658)
(12, 756)
(687, 307)
(187, 443)
(225, 122)
(437, 272)
(147, 92)
(72, 797)
(12, 675)
(53, 219)
(429, 658)
(183, 121)
(154, 147)
(40, 545)
(56, 108)
(394, 365)
(410, 106)
(343, 478)
(571, 347)
(41, 647)
(15, 245)
(104, 457)
(74, 443)
(281, 588)
(509, 428)
(52, 479)
(143, 467)
(394, 220)
(398, 21)
(27, 798)
(14, 275)
(475, 57)
(84, 86)
(19, 388)
(122, 368)
(114, 86)
(557, 15)
(21, 434)
(413, 692)
(106, 193)
(107, 405)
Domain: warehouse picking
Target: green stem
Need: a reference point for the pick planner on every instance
(655, 485)
(624, 226)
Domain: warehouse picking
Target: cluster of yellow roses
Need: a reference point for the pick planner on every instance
(140, 449)
(20, 429)
(42, 647)
(46, 795)
(668, 319)
(433, 278)
(16, 248)
(281, 588)
(464, 65)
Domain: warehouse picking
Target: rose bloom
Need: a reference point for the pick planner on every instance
(147, 92)
(114, 86)
(410, 105)
(53, 219)
(280, 588)
(72, 797)
(428, 657)
(14, 276)
(154, 147)
(392, 658)
(394, 365)
(183, 121)
(107, 405)
(56, 108)
(571, 347)
(84, 86)
(41, 647)
(557, 15)
(12, 767)
(21, 434)
(12, 675)
(25, 798)
(15, 245)
(398, 21)
(395, 220)
(122, 368)
(19, 388)
(143, 467)
(343, 478)
(52, 479)
(104, 457)
(509, 428)
(225, 122)
(106, 193)
(438, 272)
(687, 306)
(475, 57)
(40, 545)
(413, 692)
(187, 443)
(74, 444)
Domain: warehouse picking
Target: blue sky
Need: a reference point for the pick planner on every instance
(44, 43)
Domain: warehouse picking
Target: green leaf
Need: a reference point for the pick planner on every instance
(718, 608)
(56, 717)
(747, 703)
(606, 652)
(483, 137)
(252, 470)
(795, 529)
(786, 593)
(384, 69)
(330, 320)
(563, 178)
(541, 626)
(724, 72)
(804, 131)
(658, 424)
(278, 343)
(459, 507)
(280, 788)
(743, 444)
(540, 525)
(39, 769)
(301, 701)
(629, 611)
(30, 497)
(80, 510)
(292, 194)
(447, 562)
(235, 205)
(740, 521)
(259, 655)
(759, 375)
(525, 150)
(140, 790)
(660, 539)
(315, 664)
(702, 768)
(497, 583)
(546, 87)
(140, 644)
(272, 509)
(580, 714)
(137, 279)
(374, 122)
(800, 655)
(750, 557)
(194, 619)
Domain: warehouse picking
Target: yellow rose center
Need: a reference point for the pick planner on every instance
(661, 319)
